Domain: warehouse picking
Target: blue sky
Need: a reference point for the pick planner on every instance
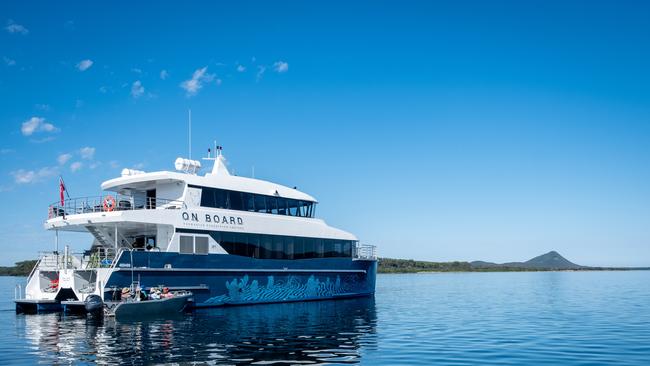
(460, 131)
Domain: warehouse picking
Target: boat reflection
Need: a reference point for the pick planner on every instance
(292, 333)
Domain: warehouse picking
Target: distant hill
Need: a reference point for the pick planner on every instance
(549, 261)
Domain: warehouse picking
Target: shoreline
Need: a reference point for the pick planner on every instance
(524, 270)
(396, 266)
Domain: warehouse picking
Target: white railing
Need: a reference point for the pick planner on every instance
(107, 203)
(364, 252)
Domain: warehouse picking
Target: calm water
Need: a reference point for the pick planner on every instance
(459, 318)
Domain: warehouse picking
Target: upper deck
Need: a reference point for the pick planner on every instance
(215, 213)
(187, 200)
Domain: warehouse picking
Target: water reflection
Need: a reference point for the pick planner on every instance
(292, 333)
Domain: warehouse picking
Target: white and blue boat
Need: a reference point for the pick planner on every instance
(230, 240)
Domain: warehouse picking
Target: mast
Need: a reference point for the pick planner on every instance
(189, 120)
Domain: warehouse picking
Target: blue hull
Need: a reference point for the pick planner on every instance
(221, 279)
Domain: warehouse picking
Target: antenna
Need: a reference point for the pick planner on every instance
(253, 171)
(189, 118)
(216, 152)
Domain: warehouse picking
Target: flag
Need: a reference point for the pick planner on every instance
(61, 189)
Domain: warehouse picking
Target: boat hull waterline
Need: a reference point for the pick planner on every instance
(149, 308)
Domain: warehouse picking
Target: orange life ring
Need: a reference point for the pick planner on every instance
(109, 203)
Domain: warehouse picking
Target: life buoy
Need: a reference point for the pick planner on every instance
(109, 203)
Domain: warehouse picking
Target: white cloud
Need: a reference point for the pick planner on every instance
(12, 27)
(84, 65)
(63, 158)
(22, 176)
(76, 166)
(193, 85)
(94, 164)
(241, 68)
(260, 72)
(42, 107)
(164, 74)
(137, 89)
(114, 164)
(280, 67)
(103, 89)
(8, 61)
(136, 70)
(87, 152)
(36, 124)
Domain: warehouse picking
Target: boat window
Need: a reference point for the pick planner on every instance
(201, 245)
(328, 248)
(346, 249)
(298, 248)
(235, 201)
(249, 201)
(293, 208)
(242, 247)
(220, 198)
(274, 246)
(282, 206)
(186, 244)
(245, 201)
(254, 245)
(310, 252)
(289, 247)
(260, 203)
(320, 248)
(266, 247)
(207, 197)
(271, 205)
(228, 242)
(278, 246)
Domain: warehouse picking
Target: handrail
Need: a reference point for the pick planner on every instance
(107, 202)
(365, 252)
(114, 264)
(38, 262)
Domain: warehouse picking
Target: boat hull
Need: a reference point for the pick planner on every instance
(218, 280)
(150, 308)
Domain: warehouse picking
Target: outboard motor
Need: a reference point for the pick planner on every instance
(94, 304)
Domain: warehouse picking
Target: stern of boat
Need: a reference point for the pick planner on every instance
(63, 281)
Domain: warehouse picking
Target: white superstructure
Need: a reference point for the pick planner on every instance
(183, 212)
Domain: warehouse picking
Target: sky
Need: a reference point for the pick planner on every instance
(464, 130)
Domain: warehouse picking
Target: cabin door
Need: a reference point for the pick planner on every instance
(151, 198)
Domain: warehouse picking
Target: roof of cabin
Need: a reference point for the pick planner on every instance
(219, 178)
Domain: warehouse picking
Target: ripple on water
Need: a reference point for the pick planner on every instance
(564, 318)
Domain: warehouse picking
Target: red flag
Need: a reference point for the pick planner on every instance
(61, 189)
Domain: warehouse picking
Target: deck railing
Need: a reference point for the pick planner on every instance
(107, 203)
(364, 252)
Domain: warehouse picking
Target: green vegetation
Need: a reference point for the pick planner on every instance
(390, 265)
(20, 269)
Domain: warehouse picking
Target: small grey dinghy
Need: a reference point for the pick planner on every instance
(149, 308)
